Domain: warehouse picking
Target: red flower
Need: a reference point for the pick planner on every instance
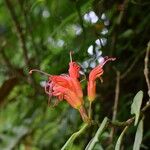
(68, 82)
(68, 87)
(65, 87)
(94, 74)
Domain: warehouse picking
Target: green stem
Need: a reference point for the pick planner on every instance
(90, 111)
(83, 114)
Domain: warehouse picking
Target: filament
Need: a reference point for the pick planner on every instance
(71, 56)
(36, 70)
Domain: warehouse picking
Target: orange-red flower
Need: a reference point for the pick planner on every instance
(65, 87)
(94, 74)
(68, 87)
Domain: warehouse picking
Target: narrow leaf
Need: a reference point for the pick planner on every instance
(99, 132)
(118, 144)
(136, 106)
(36, 3)
(138, 136)
(70, 141)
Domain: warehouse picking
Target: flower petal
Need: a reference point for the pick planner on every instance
(94, 74)
(74, 69)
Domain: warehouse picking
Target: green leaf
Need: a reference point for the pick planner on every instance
(127, 33)
(99, 132)
(138, 136)
(70, 141)
(136, 106)
(118, 144)
(36, 3)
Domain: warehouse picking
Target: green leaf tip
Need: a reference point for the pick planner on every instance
(119, 141)
(136, 106)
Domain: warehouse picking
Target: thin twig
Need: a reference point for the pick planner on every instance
(131, 66)
(28, 24)
(146, 70)
(115, 109)
(130, 120)
(117, 90)
(19, 31)
(117, 24)
(122, 12)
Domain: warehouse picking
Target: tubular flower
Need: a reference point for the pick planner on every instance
(68, 87)
(68, 95)
(94, 74)
(71, 83)
(64, 87)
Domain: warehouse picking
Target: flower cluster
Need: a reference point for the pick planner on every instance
(68, 87)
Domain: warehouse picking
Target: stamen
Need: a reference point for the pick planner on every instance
(71, 52)
(36, 70)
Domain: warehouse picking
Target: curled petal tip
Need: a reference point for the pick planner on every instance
(106, 59)
(109, 58)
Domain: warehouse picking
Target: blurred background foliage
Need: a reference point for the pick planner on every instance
(39, 34)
